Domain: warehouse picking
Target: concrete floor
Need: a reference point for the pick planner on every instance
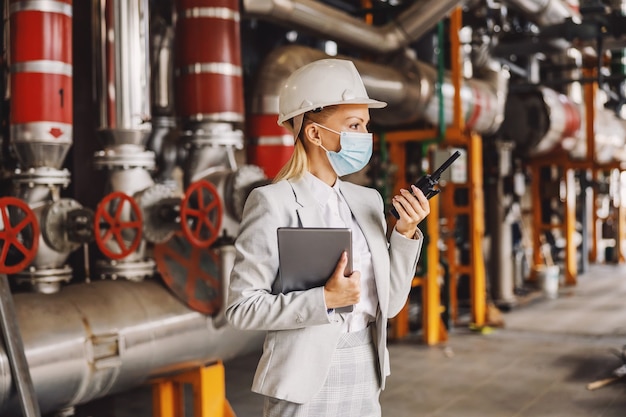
(538, 364)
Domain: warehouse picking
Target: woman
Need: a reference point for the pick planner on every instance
(317, 361)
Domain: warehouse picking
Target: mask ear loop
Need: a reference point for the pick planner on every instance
(330, 130)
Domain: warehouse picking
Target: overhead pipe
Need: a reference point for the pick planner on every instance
(552, 15)
(328, 22)
(545, 12)
(609, 138)
(407, 85)
(541, 121)
(110, 336)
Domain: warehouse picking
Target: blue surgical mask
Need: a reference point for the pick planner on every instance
(355, 153)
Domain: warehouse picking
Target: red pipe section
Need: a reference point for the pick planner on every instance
(41, 70)
(271, 145)
(573, 120)
(208, 61)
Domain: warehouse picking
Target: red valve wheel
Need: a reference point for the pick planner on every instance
(201, 214)
(111, 223)
(19, 231)
(191, 273)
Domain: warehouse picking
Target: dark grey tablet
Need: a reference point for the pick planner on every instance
(308, 255)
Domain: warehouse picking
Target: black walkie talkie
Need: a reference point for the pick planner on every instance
(428, 182)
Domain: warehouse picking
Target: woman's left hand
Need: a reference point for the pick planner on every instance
(412, 208)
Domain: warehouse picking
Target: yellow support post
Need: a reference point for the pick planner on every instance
(456, 135)
(593, 246)
(538, 226)
(621, 230)
(209, 393)
(432, 326)
(477, 233)
(397, 154)
(571, 270)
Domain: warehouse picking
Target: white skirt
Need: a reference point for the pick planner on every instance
(352, 388)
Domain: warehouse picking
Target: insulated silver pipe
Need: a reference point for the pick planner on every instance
(162, 71)
(408, 87)
(405, 99)
(92, 340)
(122, 70)
(328, 22)
(544, 12)
(15, 352)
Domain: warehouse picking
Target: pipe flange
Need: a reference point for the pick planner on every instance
(54, 225)
(121, 137)
(163, 122)
(213, 134)
(119, 158)
(132, 271)
(46, 176)
(45, 280)
(160, 206)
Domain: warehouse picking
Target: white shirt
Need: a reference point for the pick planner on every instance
(336, 213)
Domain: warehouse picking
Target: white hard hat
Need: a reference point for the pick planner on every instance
(322, 83)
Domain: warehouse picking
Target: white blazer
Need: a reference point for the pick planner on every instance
(301, 336)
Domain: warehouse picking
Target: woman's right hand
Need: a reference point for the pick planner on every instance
(341, 290)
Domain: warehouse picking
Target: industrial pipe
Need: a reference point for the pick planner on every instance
(110, 336)
(330, 23)
(40, 61)
(122, 71)
(407, 86)
(210, 84)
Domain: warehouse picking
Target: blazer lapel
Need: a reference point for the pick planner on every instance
(308, 212)
(369, 220)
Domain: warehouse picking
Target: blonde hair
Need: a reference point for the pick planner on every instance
(298, 163)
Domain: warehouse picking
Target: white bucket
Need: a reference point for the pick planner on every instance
(548, 279)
